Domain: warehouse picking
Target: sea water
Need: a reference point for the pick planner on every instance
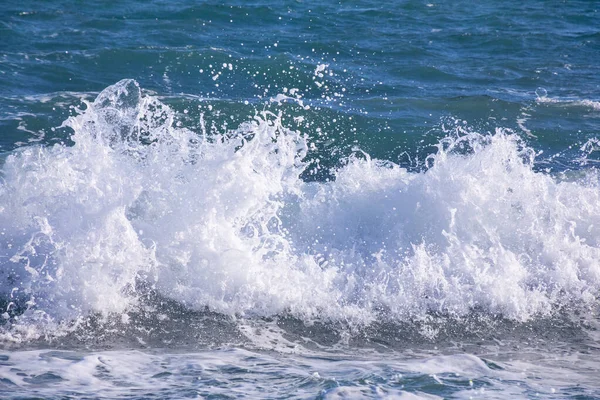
(299, 199)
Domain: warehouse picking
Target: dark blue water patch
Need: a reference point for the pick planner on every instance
(161, 375)
(4, 382)
(44, 379)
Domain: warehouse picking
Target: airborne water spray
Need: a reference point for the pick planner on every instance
(224, 222)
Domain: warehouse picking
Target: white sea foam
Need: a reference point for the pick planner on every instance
(238, 372)
(226, 222)
(585, 103)
(117, 374)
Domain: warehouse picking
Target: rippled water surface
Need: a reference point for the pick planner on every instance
(299, 199)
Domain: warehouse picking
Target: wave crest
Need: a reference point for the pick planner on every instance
(225, 222)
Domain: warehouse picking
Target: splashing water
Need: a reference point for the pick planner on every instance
(224, 222)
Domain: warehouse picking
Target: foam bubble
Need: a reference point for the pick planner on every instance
(225, 222)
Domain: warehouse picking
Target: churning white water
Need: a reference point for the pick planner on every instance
(224, 222)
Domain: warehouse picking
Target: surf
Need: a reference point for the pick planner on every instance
(225, 222)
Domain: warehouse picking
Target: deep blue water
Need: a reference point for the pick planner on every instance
(404, 65)
(313, 199)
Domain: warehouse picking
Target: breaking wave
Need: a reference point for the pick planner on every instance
(224, 222)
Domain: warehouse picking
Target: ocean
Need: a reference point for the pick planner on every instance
(299, 199)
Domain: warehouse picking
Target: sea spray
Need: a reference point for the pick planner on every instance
(480, 229)
(224, 222)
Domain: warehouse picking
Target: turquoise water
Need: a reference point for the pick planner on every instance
(299, 199)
